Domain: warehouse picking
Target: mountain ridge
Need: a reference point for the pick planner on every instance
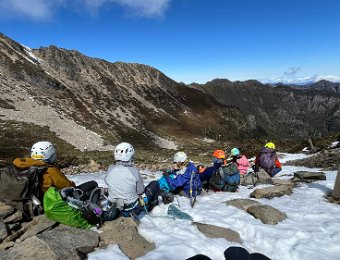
(93, 104)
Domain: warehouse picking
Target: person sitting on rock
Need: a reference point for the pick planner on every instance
(126, 190)
(43, 154)
(241, 161)
(267, 160)
(184, 178)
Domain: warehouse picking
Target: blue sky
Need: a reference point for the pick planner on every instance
(190, 40)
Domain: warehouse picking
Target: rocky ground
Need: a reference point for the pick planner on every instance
(328, 159)
(43, 238)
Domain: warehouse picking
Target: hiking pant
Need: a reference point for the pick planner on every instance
(88, 186)
(152, 191)
(275, 171)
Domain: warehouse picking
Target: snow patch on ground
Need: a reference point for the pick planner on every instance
(163, 143)
(209, 141)
(311, 230)
(31, 112)
(334, 144)
(33, 59)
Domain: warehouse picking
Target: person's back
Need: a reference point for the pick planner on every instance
(124, 183)
(210, 177)
(243, 164)
(267, 159)
(126, 187)
(44, 154)
(241, 160)
(189, 180)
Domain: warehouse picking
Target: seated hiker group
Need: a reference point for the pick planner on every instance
(126, 195)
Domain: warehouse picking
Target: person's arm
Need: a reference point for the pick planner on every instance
(177, 182)
(139, 181)
(277, 163)
(59, 180)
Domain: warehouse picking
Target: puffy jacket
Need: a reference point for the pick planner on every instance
(125, 184)
(52, 177)
(183, 181)
(242, 164)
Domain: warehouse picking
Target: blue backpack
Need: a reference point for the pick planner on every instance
(226, 178)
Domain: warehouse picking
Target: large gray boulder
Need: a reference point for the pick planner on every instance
(243, 204)
(3, 231)
(271, 192)
(306, 176)
(65, 240)
(6, 210)
(261, 177)
(123, 231)
(13, 218)
(62, 242)
(218, 232)
(32, 248)
(267, 214)
(41, 223)
(289, 183)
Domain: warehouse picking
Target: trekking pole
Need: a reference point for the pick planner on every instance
(192, 200)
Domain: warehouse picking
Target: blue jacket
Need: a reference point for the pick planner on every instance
(183, 181)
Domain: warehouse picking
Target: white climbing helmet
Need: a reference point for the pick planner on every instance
(44, 151)
(124, 152)
(180, 157)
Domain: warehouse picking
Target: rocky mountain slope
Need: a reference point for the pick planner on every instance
(92, 104)
(289, 112)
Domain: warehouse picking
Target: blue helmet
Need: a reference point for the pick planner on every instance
(235, 152)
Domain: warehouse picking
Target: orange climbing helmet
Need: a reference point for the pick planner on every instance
(220, 154)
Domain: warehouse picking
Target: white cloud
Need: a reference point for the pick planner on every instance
(291, 77)
(34, 9)
(45, 9)
(147, 8)
(303, 79)
(141, 8)
(292, 71)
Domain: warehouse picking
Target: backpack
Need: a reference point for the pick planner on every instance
(232, 176)
(217, 180)
(226, 178)
(20, 189)
(266, 159)
(87, 202)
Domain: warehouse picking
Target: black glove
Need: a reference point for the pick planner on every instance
(255, 168)
(167, 197)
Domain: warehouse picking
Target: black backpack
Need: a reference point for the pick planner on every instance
(217, 180)
(20, 189)
(87, 201)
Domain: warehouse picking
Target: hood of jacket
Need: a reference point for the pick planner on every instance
(25, 163)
